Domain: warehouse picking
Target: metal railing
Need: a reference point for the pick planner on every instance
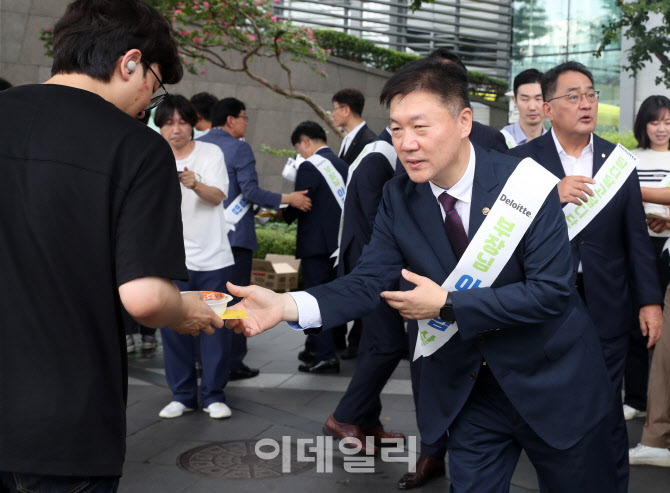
(478, 31)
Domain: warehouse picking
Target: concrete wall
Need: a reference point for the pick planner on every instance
(271, 117)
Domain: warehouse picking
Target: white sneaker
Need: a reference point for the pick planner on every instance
(130, 343)
(173, 410)
(630, 412)
(218, 410)
(653, 456)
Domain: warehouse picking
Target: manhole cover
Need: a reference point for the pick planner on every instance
(238, 460)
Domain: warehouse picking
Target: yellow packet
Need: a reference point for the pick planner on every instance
(234, 315)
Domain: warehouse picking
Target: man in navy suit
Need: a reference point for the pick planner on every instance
(229, 119)
(323, 175)
(383, 340)
(524, 370)
(347, 113)
(613, 264)
(430, 464)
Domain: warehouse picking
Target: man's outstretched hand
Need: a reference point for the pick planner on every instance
(264, 309)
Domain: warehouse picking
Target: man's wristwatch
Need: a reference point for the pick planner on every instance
(447, 311)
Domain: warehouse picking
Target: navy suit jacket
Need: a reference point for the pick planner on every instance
(546, 355)
(241, 166)
(617, 257)
(487, 137)
(363, 138)
(317, 228)
(364, 193)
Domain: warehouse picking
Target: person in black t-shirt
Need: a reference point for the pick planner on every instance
(85, 233)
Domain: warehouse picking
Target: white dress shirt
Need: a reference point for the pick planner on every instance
(348, 139)
(309, 314)
(576, 166)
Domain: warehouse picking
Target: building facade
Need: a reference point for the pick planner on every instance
(478, 31)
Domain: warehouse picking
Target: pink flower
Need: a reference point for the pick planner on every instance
(273, 18)
(197, 40)
(323, 72)
(205, 4)
(329, 51)
(252, 37)
(205, 71)
(176, 11)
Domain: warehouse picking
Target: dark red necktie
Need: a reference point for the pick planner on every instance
(453, 225)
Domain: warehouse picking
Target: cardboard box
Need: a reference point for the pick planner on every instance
(276, 272)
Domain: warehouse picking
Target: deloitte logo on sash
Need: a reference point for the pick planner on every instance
(514, 205)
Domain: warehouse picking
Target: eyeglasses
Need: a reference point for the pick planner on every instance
(156, 100)
(246, 118)
(335, 108)
(591, 97)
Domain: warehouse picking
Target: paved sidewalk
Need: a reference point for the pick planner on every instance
(281, 402)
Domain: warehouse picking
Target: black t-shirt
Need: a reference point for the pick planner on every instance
(89, 200)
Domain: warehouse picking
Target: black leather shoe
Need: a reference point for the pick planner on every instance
(427, 469)
(306, 356)
(325, 366)
(244, 372)
(350, 353)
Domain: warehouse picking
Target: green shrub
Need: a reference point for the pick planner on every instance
(627, 139)
(275, 237)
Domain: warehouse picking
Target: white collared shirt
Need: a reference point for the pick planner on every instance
(348, 139)
(462, 191)
(309, 314)
(576, 166)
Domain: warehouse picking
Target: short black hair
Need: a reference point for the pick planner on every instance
(650, 110)
(529, 76)
(353, 98)
(309, 129)
(93, 34)
(204, 102)
(4, 84)
(225, 108)
(550, 77)
(446, 54)
(174, 102)
(447, 81)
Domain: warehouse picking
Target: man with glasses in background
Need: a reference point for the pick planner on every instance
(614, 264)
(230, 122)
(85, 235)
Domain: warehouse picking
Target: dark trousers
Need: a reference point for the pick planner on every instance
(438, 449)
(487, 436)
(37, 483)
(614, 352)
(178, 352)
(240, 274)
(319, 270)
(636, 377)
(382, 345)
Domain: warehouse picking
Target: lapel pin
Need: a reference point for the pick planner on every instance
(603, 154)
(485, 210)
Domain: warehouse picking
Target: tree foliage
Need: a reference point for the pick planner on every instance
(211, 30)
(647, 41)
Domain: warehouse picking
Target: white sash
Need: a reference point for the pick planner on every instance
(509, 139)
(236, 211)
(331, 175)
(609, 180)
(492, 246)
(391, 156)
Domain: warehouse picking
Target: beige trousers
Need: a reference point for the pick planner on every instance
(656, 432)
